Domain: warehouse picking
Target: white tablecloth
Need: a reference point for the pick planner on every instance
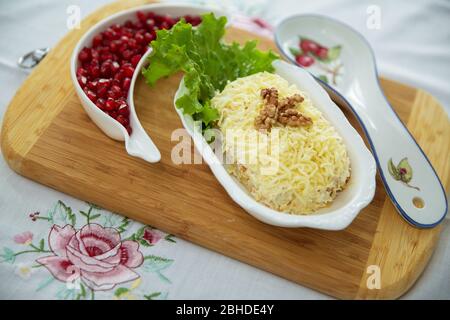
(412, 46)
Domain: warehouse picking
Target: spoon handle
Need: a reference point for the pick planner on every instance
(407, 174)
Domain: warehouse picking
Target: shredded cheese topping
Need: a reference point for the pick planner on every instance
(297, 170)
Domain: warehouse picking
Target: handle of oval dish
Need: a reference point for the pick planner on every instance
(409, 178)
(139, 144)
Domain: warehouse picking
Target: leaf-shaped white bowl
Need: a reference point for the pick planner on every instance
(340, 213)
(139, 144)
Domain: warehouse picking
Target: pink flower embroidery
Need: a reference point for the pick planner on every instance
(94, 253)
(24, 238)
(151, 236)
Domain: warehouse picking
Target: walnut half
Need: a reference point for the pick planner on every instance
(281, 111)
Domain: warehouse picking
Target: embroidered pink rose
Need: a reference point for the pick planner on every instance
(152, 236)
(94, 253)
(24, 238)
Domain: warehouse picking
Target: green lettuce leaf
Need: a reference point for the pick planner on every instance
(208, 64)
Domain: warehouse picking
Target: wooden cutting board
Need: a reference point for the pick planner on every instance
(47, 137)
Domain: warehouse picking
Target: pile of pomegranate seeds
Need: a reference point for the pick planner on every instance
(106, 68)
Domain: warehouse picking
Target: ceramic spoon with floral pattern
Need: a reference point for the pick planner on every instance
(344, 63)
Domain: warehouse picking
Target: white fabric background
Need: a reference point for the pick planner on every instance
(412, 46)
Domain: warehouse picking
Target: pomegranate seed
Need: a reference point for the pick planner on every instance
(116, 27)
(132, 43)
(104, 82)
(196, 21)
(95, 55)
(100, 103)
(127, 54)
(85, 55)
(139, 38)
(128, 70)
(135, 60)
(92, 85)
(110, 104)
(102, 92)
(165, 25)
(112, 114)
(95, 62)
(141, 16)
(115, 92)
(114, 46)
(124, 110)
(138, 25)
(94, 71)
(91, 95)
(97, 41)
(128, 24)
(106, 56)
(304, 60)
(122, 120)
(129, 130)
(119, 76)
(150, 24)
(105, 69)
(102, 87)
(82, 80)
(110, 34)
(126, 84)
(115, 67)
(82, 72)
(169, 20)
(149, 37)
(308, 46)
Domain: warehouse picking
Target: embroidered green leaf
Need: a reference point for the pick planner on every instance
(154, 263)
(61, 214)
(153, 295)
(405, 170)
(45, 283)
(120, 291)
(94, 206)
(393, 170)
(95, 216)
(170, 238)
(41, 244)
(323, 78)
(82, 294)
(83, 290)
(66, 294)
(84, 213)
(295, 51)
(145, 243)
(123, 225)
(334, 53)
(8, 255)
(140, 232)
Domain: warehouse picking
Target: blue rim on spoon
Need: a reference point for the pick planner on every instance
(331, 89)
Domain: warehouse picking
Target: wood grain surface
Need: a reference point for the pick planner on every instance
(47, 137)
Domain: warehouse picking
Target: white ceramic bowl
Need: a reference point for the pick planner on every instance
(139, 144)
(359, 191)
